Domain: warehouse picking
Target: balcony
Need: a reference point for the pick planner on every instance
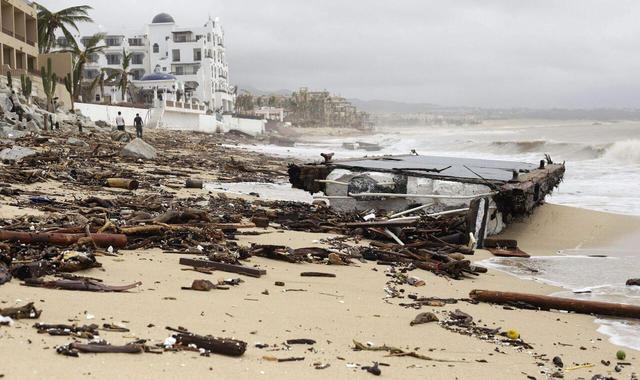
(20, 37)
(7, 31)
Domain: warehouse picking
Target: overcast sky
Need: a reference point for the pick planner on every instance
(509, 53)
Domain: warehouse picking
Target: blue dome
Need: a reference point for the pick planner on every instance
(158, 76)
(162, 18)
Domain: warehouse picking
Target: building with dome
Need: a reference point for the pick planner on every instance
(187, 63)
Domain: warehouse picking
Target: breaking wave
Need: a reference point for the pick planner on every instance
(624, 152)
(627, 152)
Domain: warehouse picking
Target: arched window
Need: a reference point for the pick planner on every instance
(156, 48)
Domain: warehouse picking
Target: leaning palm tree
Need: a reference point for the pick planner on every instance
(122, 74)
(81, 56)
(65, 19)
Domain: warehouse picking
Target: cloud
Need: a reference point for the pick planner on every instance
(571, 53)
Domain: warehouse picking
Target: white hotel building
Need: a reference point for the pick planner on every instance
(194, 58)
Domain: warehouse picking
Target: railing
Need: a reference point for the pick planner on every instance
(20, 37)
(31, 42)
(7, 31)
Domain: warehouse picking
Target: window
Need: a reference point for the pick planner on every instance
(113, 41)
(164, 69)
(156, 48)
(197, 54)
(179, 70)
(113, 59)
(137, 59)
(93, 58)
(135, 41)
(97, 97)
(175, 55)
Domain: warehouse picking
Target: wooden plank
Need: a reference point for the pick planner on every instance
(232, 268)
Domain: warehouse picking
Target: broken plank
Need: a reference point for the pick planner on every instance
(232, 268)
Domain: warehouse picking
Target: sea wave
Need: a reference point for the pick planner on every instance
(623, 152)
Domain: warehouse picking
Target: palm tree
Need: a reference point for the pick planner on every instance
(81, 57)
(64, 20)
(121, 75)
(99, 81)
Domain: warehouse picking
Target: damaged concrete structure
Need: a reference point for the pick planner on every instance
(492, 192)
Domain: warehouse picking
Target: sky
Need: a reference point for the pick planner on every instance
(490, 53)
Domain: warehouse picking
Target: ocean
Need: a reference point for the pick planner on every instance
(603, 173)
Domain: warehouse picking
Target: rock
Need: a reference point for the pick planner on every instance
(16, 153)
(557, 361)
(633, 282)
(139, 149)
(6, 133)
(424, 318)
(120, 136)
(32, 126)
(102, 124)
(77, 142)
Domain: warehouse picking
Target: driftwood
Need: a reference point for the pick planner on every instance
(99, 348)
(317, 274)
(122, 183)
(101, 240)
(394, 351)
(558, 303)
(27, 311)
(222, 346)
(233, 268)
(84, 284)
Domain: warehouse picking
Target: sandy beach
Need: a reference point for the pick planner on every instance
(332, 311)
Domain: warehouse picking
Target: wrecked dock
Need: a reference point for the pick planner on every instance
(494, 192)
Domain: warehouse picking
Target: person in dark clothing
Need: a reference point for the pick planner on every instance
(137, 121)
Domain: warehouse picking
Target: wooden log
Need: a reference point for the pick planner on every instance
(232, 268)
(558, 303)
(95, 348)
(222, 346)
(122, 183)
(101, 240)
(193, 183)
(317, 274)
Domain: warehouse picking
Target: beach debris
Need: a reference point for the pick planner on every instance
(633, 282)
(317, 274)
(82, 284)
(63, 239)
(201, 285)
(194, 183)
(208, 343)
(301, 341)
(281, 360)
(394, 351)
(513, 334)
(27, 311)
(84, 331)
(225, 267)
(101, 347)
(620, 355)
(424, 318)
(557, 303)
(557, 361)
(5, 273)
(320, 365)
(374, 369)
(122, 183)
(279, 283)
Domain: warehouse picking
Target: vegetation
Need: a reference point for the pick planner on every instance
(27, 86)
(49, 80)
(121, 75)
(69, 84)
(64, 20)
(82, 55)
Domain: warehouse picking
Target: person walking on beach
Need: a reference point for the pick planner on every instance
(120, 121)
(138, 123)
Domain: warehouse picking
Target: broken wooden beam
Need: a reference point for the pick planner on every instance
(383, 223)
(557, 303)
(101, 240)
(232, 268)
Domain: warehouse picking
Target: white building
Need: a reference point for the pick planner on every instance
(195, 56)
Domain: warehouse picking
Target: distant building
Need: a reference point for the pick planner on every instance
(270, 113)
(195, 56)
